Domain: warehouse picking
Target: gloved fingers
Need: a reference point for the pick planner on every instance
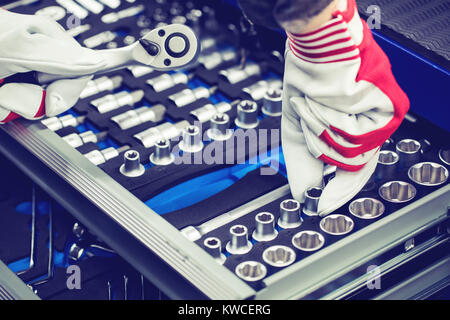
(303, 170)
(26, 100)
(319, 126)
(324, 152)
(363, 127)
(344, 186)
(39, 44)
(64, 94)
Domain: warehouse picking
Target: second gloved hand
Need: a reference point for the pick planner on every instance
(34, 43)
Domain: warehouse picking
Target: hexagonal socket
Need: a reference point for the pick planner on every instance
(428, 174)
(444, 155)
(213, 246)
(308, 240)
(289, 214)
(265, 227)
(366, 208)
(397, 191)
(387, 164)
(132, 166)
(336, 224)
(279, 256)
(408, 151)
(312, 197)
(251, 271)
(247, 114)
(239, 243)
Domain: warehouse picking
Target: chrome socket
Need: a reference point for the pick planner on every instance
(188, 96)
(76, 140)
(192, 139)
(133, 118)
(336, 224)
(251, 271)
(397, 191)
(140, 71)
(444, 155)
(57, 123)
(408, 151)
(75, 252)
(239, 243)
(99, 157)
(132, 166)
(279, 256)
(265, 227)
(272, 102)
(167, 131)
(308, 240)
(167, 81)
(112, 102)
(290, 214)
(247, 115)
(220, 127)
(214, 59)
(213, 246)
(428, 174)
(237, 74)
(387, 164)
(101, 84)
(162, 155)
(312, 196)
(208, 111)
(366, 208)
(258, 90)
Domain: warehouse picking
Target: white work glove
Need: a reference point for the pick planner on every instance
(35, 43)
(305, 169)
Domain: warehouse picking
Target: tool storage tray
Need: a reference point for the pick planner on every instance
(168, 209)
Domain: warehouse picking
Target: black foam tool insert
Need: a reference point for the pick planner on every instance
(232, 197)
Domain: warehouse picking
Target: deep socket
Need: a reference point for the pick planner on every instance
(188, 96)
(387, 165)
(57, 123)
(408, 151)
(272, 102)
(366, 208)
(290, 214)
(251, 271)
(162, 155)
(279, 256)
(213, 246)
(78, 139)
(397, 191)
(192, 139)
(167, 81)
(428, 174)
(99, 157)
(205, 113)
(237, 74)
(312, 196)
(115, 101)
(336, 224)
(132, 166)
(215, 59)
(220, 127)
(308, 240)
(101, 84)
(133, 118)
(166, 131)
(265, 227)
(239, 243)
(258, 90)
(247, 115)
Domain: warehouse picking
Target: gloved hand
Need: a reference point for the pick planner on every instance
(35, 43)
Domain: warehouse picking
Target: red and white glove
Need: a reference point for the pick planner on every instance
(35, 43)
(341, 103)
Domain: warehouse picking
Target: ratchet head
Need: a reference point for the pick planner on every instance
(168, 47)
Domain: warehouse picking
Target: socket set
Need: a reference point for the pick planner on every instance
(132, 146)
